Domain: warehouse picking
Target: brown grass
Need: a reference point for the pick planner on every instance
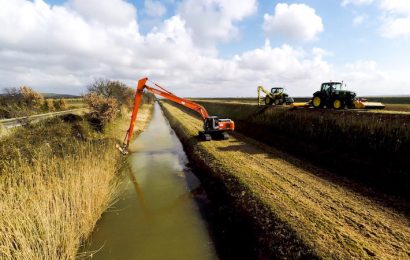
(56, 179)
(296, 212)
(47, 207)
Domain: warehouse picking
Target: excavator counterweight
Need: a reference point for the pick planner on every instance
(214, 127)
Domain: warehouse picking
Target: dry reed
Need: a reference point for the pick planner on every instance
(48, 206)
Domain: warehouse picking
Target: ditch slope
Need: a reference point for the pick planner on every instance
(294, 212)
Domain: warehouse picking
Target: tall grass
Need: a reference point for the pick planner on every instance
(56, 179)
(51, 204)
(2, 129)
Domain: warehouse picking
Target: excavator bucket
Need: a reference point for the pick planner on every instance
(364, 104)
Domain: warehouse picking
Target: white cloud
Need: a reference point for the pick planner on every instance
(366, 78)
(362, 71)
(359, 19)
(295, 21)
(396, 19)
(110, 12)
(356, 2)
(154, 8)
(62, 49)
(396, 27)
(211, 21)
(56, 48)
(396, 6)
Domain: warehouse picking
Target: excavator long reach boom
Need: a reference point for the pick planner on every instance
(213, 126)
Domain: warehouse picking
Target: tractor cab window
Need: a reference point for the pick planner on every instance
(337, 86)
(276, 90)
(326, 88)
(331, 87)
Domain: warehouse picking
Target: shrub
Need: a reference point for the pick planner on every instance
(48, 105)
(102, 109)
(31, 98)
(59, 104)
(22, 101)
(113, 89)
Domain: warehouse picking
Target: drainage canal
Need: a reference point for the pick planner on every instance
(163, 211)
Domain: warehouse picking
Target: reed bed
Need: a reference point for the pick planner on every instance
(51, 204)
(56, 179)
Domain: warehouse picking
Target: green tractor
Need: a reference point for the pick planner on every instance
(331, 95)
(276, 96)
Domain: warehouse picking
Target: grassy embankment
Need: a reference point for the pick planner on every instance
(294, 212)
(56, 179)
(373, 149)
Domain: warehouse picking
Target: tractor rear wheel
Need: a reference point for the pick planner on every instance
(317, 102)
(337, 104)
(268, 101)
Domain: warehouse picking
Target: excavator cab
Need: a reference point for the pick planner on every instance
(216, 128)
(211, 123)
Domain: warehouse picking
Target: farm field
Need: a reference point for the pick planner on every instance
(296, 209)
(73, 103)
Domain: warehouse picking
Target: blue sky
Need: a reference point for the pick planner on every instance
(296, 44)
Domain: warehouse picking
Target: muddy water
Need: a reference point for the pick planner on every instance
(157, 216)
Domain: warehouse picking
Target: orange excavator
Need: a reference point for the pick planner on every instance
(214, 127)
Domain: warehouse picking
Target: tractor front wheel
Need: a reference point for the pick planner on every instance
(278, 102)
(337, 104)
(268, 101)
(317, 102)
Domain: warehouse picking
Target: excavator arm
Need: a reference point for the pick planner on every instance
(260, 98)
(211, 124)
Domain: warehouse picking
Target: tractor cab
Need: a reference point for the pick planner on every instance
(277, 90)
(331, 87)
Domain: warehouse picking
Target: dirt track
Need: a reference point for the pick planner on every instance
(328, 219)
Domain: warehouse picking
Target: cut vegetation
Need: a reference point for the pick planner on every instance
(295, 212)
